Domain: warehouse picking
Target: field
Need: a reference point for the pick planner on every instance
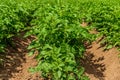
(59, 39)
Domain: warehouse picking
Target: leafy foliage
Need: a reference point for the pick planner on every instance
(60, 42)
(60, 37)
(15, 17)
(105, 18)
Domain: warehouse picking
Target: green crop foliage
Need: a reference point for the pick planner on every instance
(105, 18)
(9, 22)
(15, 17)
(60, 41)
(59, 35)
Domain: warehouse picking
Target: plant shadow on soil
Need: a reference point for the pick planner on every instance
(14, 57)
(93, 66)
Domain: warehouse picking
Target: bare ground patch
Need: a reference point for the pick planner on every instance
(100, 64)
(17, 61)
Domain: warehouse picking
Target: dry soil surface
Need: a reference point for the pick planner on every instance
(17, 61)
(100, 64)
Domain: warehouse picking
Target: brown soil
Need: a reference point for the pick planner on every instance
(100, 64)
(17, 61)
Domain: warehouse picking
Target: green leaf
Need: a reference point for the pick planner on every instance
(109, 47)
(59, 74)
(31, 53)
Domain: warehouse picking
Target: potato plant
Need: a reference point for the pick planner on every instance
(59, 35)
(60, 42)
(105, 18)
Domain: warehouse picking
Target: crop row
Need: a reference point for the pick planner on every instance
(59, 35)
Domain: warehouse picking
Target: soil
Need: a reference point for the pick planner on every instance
(99, 64)
(17, 61)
